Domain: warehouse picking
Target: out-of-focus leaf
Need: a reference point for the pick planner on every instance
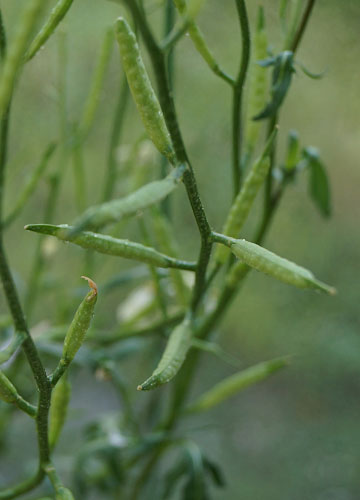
(311, 74)
(172, 477)
(215, 472)
(319, 186)
(292, 151)
(281, 80)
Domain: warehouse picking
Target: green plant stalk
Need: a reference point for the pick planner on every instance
(238, 95)
(116, 130)
(17, 314)
(168, 107)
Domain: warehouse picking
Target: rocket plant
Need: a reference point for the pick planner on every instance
(259, 88)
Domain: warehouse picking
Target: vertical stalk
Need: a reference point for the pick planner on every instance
(238, 96)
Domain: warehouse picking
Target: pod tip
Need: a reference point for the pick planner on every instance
(139, 388)
(92, 285)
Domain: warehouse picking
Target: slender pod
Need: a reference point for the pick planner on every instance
(269, 263)
(173, 357)
(293, 151)
(58, 410)
(14, 56)
(56, 16)
(80, 324)
(111, 246)
(141, 89)
(112, 211)
(236, 383)
(243, 202)
(258, 86)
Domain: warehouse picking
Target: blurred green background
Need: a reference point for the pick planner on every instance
(297, 435)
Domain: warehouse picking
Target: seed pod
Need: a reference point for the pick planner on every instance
(80, 324)
(56, 16)
(141, 89)
(246, 197)
(235, 383)
(282, 269)
(113, 211)
(258, 85)
(64, 494)
(16, 50)
(293, 151)
(173, 357)
(111, 246)
(8, 393)
(58, 409)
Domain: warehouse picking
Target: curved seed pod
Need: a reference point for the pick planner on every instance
(282, 269)
(56, 16)
(112, 246)
(80, 324)
(141, 89)
(246, 197)
(58, 410)
(235, 383)
(113, 211)
(64, 494)
(173, 357)
(8, 393)
(258, 86)
(16, 50)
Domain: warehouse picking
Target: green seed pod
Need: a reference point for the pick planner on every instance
(80, 324)
(141, 89)
(112, 246)
(113, 211)
(235, 383)
(246, 197)
(8, 393)
(16, 50)
(173, 357)
(64, 494)
(293, 150)
(282, 269)
(58, 410)
(56, 16)
(258, 86)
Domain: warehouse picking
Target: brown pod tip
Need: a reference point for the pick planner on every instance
(92, 285)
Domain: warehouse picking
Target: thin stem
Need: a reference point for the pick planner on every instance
(21, 488)
(302, 26)
(168, 107)
(117, 126)
(238, 95)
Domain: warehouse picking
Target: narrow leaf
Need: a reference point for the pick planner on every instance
(319, 186)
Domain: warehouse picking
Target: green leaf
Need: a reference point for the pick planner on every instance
(281, 80)
(215, 472)
(319, 186)
(236, 383)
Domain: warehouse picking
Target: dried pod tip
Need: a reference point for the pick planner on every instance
(92, 285)
(139, 388)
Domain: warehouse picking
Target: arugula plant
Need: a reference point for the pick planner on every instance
(120, 455)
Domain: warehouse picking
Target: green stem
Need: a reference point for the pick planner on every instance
(157, 57)
(23, 487)
(238, 95)
(117, 126)
(302, 26)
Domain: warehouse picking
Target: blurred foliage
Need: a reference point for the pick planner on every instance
(297, 436)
